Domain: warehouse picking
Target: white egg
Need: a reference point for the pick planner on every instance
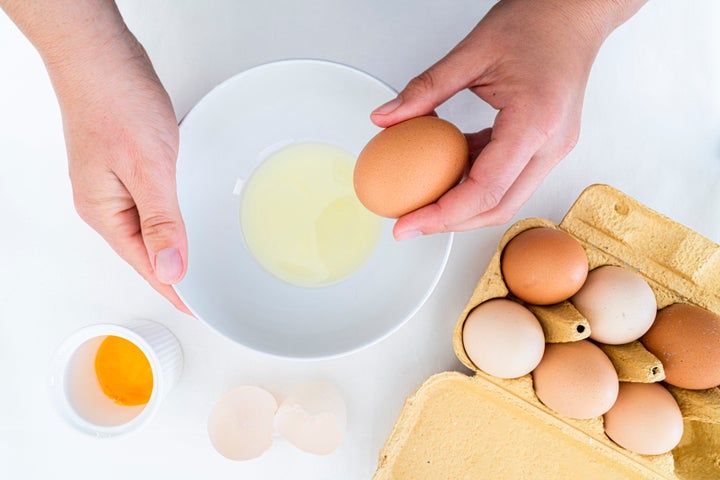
(618, 304)
(240, 424)
(313, 418)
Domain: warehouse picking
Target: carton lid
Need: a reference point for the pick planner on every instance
(457, 427)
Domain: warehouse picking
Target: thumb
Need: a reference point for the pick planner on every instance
(431, 88)
(162, 228)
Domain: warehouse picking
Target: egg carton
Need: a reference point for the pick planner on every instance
(482, 427)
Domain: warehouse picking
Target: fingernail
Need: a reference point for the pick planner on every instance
(388, 107)
(168, 266)
(407, 235)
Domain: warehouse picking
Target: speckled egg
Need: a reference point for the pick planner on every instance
(618, 304)
(686, 340)
(645, 419)
(409, 165)
(576, 379)
(543, 266)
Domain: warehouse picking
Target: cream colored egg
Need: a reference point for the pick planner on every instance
(618, 304)
(503, 338)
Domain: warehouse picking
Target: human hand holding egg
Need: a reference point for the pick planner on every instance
(531, 63)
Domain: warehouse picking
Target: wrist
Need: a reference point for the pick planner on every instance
(76, 38)
(63, 30)
(607, 15)
(88, 41)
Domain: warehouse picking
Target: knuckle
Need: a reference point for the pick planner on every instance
(144, 161)
(158, 226)
(84, 208)
(569, 143)
(548, 127)
(490, 197)
(147, 170)
(423, 82)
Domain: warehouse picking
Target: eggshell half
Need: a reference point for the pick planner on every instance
(313, 418)
(240, 425)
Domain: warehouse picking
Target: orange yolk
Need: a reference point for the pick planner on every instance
(123, 371)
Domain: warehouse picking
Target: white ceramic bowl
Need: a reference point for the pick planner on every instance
(225, 136)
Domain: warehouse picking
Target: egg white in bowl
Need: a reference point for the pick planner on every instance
(222, 141)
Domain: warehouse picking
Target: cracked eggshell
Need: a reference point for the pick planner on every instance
(313, 418)
(240, 425)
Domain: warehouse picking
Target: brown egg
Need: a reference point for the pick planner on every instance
(576, 379)
(544, 266)
(686, 339)
(645, 419)
(410, 165)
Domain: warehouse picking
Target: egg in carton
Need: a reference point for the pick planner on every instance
(461, 427)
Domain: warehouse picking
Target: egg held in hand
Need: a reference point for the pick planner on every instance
(410, 165)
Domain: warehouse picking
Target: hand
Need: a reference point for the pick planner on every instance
(122, 140)
(120, 131)
(530, 61)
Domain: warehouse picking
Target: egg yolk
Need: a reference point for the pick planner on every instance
(123, 371)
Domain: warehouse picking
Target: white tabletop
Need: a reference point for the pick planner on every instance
(651, 127)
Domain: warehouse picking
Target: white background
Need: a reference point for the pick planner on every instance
(651, 127)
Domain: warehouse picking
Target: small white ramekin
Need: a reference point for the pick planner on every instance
(75, 389)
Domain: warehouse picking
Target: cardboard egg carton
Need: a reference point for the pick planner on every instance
(482, 427)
